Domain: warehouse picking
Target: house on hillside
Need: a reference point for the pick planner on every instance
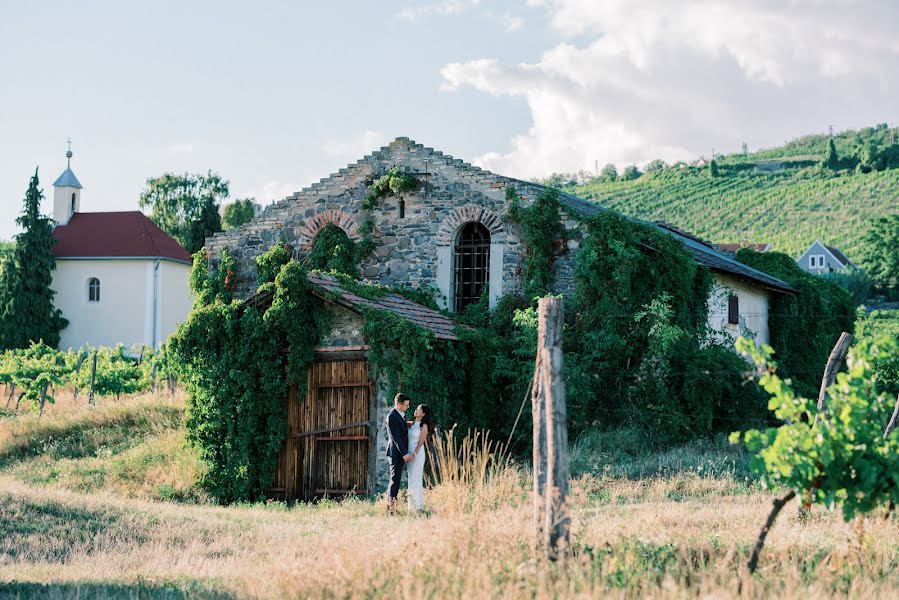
(451, 234)
(119, 279)
(820, 258)
(734, 248)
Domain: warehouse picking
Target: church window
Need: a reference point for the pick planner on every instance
(73, 203)
(471, 265)
(93, 290)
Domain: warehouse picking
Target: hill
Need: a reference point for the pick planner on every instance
(780, 195)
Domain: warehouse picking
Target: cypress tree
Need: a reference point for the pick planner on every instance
(28, 314)
(713, 168)
(832, 161)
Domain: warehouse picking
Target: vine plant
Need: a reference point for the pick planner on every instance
(541, 232)
(849, 457)
(394, 181)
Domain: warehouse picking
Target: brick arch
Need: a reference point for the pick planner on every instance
(307, 233)
(468, 214)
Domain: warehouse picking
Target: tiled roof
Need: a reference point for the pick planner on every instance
(733, 248)
(127, 234)
(329, 288)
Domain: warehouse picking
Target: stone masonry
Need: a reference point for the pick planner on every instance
(413, 250)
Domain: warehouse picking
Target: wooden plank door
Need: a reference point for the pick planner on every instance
(327, 447)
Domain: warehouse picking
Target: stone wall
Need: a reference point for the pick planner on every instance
(450, 193)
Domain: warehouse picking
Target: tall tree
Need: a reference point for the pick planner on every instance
(186, 206)
(238, 212)
(27, 313)
(881, 258)
(832, 160)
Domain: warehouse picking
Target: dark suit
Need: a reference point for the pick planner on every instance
(397, 448)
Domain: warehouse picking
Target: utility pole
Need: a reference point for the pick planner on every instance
(830, 130)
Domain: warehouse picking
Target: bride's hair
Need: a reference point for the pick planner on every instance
(426, 419)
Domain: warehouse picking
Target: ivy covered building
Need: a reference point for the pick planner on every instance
(447, 227)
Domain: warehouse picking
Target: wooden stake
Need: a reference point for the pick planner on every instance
(90, 394)
(551, 518)
(43, 398)
(12, 392)
(834, 362)
(892, 424)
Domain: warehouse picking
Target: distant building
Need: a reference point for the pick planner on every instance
(733, 248)
(821, 258)
(119, 278)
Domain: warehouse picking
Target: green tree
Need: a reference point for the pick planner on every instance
(238, 212)
(186, 206)
(881, 258)
(27, 313)
(631, 172)
(713, 168)
(609, 173)
(832, 160)
(654, 166)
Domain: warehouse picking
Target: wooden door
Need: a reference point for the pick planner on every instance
(327, 447)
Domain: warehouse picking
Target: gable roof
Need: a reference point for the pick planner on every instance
(704, 253)
(834, 252)
(328, 288)
(128, 234)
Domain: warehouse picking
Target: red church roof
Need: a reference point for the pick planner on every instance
(115, 235)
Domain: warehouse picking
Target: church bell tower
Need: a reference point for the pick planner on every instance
(66, 193)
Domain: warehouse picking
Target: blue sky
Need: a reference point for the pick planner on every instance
(275, 95)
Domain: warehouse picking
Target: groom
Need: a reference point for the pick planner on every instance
(397, 447)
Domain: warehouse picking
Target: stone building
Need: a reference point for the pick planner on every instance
(451, 233)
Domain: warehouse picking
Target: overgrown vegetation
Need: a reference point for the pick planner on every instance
(804, 326)
(333, 250)
(542, 234)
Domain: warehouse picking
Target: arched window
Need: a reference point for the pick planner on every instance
(471, 265)
(73, 202)
(93, 290)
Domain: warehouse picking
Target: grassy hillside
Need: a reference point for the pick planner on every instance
(779, 196)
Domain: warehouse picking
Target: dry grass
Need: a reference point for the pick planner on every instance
(673, 535)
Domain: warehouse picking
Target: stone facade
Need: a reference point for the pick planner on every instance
(414, 250)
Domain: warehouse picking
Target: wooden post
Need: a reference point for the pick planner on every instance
(153, 378)
(550, 433)
(12, 392)
(892, 424)
(834, 362)
(90, 394)
(75, 375)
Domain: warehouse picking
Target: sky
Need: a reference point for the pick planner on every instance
(276, 95)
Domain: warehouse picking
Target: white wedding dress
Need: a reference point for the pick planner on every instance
(416, 470)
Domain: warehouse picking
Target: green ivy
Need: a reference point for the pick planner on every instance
(333, 250)
(231, 364)
(268, 264)
(541, 232)
(394, 181)
(804, 326)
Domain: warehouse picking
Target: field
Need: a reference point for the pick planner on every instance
(102, 503)
(788, 208)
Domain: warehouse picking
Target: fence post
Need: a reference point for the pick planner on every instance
(551, 423)
(90, 394)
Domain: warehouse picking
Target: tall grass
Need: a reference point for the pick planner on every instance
(472, 474)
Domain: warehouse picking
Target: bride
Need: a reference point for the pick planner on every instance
(418, 438)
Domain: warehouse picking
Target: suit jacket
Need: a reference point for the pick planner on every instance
(397, 435)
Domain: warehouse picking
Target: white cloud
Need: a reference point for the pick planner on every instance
(270, 191)
(511, 22)
(357, 147)
(445, 7)
(182, 148)
(661, 79)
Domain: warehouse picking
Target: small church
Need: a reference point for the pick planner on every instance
(119, 278)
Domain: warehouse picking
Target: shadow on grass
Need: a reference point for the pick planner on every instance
(129, 591)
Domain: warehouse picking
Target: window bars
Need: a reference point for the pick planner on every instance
(471, 265)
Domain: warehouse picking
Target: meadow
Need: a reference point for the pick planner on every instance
(102, 502)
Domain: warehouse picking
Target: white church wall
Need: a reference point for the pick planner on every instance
(175, 297)
(753, 308)
(119, 315)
